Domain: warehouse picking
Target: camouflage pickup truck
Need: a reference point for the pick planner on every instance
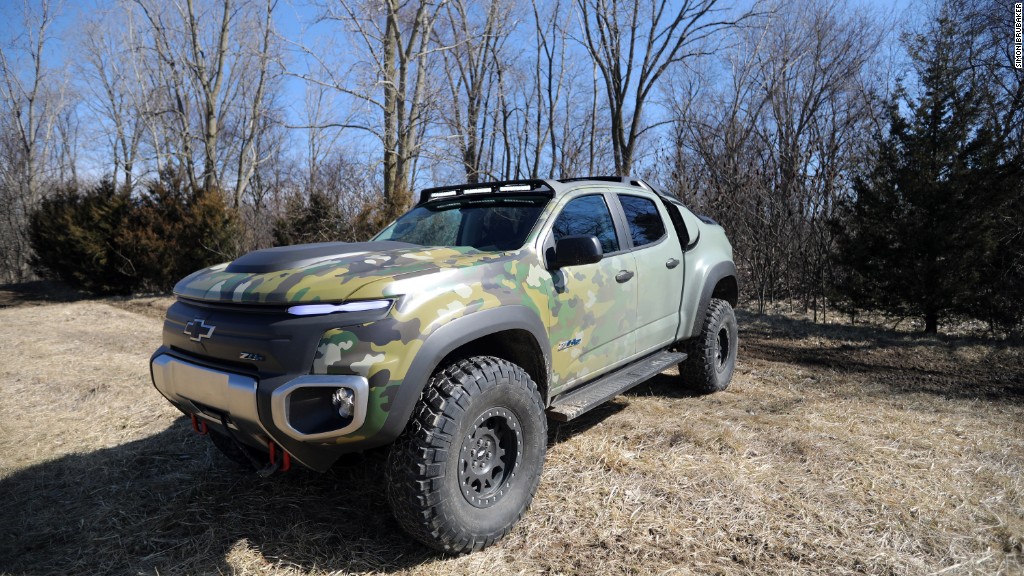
(452, 337)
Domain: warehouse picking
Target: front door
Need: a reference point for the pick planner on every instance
(593, 311)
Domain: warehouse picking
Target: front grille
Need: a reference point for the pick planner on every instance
(286, 343)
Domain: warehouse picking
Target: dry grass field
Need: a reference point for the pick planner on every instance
(837, 450)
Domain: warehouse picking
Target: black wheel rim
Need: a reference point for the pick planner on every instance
(490, 454)
(722, 349)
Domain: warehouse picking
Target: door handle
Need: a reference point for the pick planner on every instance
(671, 263)
(623, 276)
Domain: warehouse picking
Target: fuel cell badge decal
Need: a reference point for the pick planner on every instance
(568, 344)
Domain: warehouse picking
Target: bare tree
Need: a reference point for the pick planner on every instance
(469, 68)
(634, 44)
(34, 106)
(256, 91)
(773, 151)
(531, 122)
(213, 76)
(393, 41)
(115, 94)
(553, 78)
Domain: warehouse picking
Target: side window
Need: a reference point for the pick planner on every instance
(645, 224)
(588, 215)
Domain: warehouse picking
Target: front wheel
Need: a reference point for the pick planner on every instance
(467, 466)
(712, 354)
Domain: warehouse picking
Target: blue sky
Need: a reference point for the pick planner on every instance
(294, 20)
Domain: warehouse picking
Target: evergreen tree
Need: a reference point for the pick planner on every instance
(917, 235)
(74, 233)
(177, 230)
(105, 241)
(316, 219)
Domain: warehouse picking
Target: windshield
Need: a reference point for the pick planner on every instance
(492, 223)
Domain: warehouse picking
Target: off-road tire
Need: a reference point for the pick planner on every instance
(466, 407)
(234, 452)
(711, 356)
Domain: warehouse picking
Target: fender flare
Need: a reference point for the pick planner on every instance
(444, 341)
(715, 274)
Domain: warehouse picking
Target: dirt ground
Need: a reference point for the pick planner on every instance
(837, 450)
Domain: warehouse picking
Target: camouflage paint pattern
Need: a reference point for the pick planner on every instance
(584, 304)
(589, 317)
(383, 351)
(331, 279)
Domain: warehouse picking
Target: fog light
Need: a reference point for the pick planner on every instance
(344, 400)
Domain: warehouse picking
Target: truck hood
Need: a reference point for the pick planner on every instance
(323, 272)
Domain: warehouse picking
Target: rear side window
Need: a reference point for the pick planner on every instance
(645, 224)
(588, 215)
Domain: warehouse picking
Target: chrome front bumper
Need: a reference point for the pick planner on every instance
(211, 394)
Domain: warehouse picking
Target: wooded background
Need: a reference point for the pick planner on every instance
(859, 161)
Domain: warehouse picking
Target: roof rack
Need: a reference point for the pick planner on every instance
(440, 192)
(627, 180)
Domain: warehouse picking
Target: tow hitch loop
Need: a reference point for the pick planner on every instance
(286, 458)
(275, 464)
(199, 426)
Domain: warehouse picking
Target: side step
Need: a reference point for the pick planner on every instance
(589, 396)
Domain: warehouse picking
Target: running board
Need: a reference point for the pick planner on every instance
(576, 402)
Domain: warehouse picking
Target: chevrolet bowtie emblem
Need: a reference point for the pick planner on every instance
(197, 329)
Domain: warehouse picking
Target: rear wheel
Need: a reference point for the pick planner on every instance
(712, 354)
(467, 466)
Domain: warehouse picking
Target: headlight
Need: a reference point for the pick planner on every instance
(319, 309)
(344, 400)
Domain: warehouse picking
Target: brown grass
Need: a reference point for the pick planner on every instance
(837, 450)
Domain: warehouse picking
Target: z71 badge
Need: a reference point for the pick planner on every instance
(568, 344)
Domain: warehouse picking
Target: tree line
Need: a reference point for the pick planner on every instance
(857, 163)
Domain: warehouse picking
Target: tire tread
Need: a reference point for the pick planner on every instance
(417, 460)
(698, 370)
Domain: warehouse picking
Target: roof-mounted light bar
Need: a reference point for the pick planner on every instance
(440, 192)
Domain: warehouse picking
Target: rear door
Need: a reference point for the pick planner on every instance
(659, 264)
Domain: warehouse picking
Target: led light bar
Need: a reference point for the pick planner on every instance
(320, 309)
(532, 186)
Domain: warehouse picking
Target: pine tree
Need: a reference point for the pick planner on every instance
(316, 219)
(73, 235)
(176, 230)
(104, 240)
(919, 229)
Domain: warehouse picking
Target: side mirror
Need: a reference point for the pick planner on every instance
(575, 251)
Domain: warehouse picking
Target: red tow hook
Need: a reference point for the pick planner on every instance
(286, 458)
(199, 426)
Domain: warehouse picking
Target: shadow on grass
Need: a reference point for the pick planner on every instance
(751, 323)
(39, 292)
(171, 504)
(663, 385)
(890, 362)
